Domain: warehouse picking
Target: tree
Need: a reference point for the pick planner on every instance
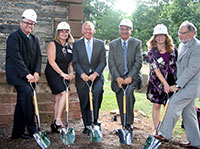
(105, 18)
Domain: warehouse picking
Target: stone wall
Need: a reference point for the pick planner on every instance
(50, 13)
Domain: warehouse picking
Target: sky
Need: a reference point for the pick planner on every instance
(126, 6)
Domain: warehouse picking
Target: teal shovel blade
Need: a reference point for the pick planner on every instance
(151, 143)
(95, 133)
(42, 139)
(67, 135)
(125, 136)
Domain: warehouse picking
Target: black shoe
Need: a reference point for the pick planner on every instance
(128, 127)
(54, 127)
(96, 123)
(85, 130)
(22, 136)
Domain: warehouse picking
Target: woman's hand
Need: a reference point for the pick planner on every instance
(166, 88)
(72, 76)
(65, 76)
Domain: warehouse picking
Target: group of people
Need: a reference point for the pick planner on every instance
(171, 70)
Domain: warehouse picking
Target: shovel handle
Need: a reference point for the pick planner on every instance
(35, 104)
(67, 94)
(67, 100)
(124, 104)
(91, 103)
(90, 95)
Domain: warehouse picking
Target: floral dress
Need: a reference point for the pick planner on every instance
(167, 66)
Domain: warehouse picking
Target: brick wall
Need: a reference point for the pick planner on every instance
(44, 97)
(50, 13)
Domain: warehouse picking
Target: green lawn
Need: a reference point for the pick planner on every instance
(109, 103)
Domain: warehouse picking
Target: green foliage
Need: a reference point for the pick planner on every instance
(148, 13)
(169, 12)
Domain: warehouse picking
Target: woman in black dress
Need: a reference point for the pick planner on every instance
(59, 62)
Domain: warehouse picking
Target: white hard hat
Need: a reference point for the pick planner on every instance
(63, 25)
(160, 29)
(126, 22)
(30, 14)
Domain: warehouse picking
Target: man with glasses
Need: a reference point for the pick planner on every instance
(23, 65)
(187, 88)
(125, 62)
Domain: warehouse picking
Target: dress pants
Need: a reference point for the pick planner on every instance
(97, 93)
(130, 100)
(24, 111)
(185, 106)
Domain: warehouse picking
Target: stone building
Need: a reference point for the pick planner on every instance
(50, 13)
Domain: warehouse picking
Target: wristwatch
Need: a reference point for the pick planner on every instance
(177, 86)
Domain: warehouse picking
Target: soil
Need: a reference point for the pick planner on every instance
(142, 129)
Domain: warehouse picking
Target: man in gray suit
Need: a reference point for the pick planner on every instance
(125, 62)
(187, 87)
(89, 60)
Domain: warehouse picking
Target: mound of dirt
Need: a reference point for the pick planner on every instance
(142, 128)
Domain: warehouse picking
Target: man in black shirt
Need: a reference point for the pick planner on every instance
(23, 65)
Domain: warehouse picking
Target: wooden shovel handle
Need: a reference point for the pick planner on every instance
(35, 104)
(67, 100)
(164, 112)
(91, 103)
(124, 104)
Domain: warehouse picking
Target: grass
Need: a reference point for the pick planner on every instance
(110, 103)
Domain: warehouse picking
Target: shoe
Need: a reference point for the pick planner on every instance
(186, 145)
(161, 138)
(96, 123)
(55, 127)
(128, 127)
(22, 136)
(85, 130)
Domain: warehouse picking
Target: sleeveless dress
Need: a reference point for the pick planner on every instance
(63, 58)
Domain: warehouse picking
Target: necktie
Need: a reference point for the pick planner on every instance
(89, 51)
(124, 57)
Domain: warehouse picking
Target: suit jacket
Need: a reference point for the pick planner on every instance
(23, 56)
(81, 63)
(188, 70)
(134, 62)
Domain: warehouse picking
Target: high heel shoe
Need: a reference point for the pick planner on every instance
(55, 127)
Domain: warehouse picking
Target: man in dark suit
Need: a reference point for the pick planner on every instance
(125, 62)
(89, 60)
(23, 65)
(188, 87)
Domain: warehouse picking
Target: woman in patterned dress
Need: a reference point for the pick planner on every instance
(162, 58)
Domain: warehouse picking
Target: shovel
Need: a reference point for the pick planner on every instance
(95, 132)
(40, 136)
(151, 142)
(67, 134)
(125, 136)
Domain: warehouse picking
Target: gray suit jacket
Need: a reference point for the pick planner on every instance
(80, 59)
(134, 62)
(188, 70)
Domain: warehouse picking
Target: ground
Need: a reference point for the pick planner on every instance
(142, 129)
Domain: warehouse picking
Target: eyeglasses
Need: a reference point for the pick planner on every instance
(27, 23)
(183, 33)
(124, 29)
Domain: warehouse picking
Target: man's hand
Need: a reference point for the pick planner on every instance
(128, 80)
(173, 88)
(93, 76)
(37, 77)
(120, 81)
(84, 77)
(30, 78)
